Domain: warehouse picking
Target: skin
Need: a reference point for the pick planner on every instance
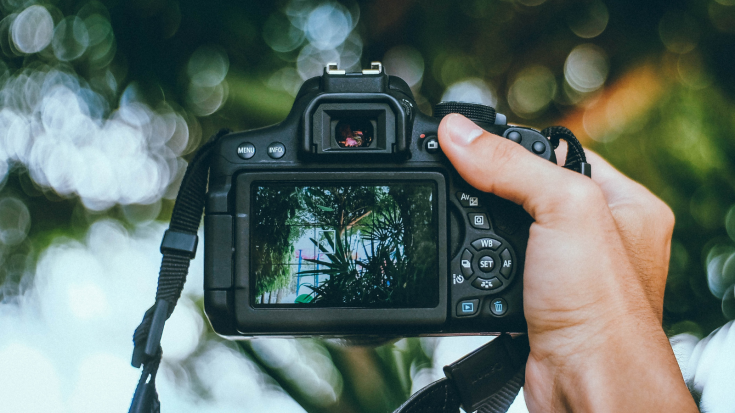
(596, 266)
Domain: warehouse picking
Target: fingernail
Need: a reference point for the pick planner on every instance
(462, 130)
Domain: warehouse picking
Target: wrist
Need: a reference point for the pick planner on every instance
(626, 366)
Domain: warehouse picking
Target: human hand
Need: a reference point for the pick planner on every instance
(594, 277)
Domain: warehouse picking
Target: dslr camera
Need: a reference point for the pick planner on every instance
(346, 219)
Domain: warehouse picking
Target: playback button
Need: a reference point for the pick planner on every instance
(467, 307)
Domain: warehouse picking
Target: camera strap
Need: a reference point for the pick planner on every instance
(178, 247)
(486, 380)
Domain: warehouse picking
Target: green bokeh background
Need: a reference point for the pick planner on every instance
(679, 142)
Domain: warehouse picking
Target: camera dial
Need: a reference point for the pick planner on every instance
(472, 111)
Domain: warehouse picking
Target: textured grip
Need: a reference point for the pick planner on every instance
(473, 111)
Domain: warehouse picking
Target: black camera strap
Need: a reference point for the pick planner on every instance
(486, 380)
(178, 247)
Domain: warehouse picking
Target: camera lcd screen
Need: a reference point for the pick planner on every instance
(341, 244)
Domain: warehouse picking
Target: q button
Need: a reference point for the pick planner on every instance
(276, 150)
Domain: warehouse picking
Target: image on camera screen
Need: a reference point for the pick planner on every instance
(354, 133)
(337, 245)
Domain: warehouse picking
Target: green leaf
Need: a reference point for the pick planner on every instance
(303, 299)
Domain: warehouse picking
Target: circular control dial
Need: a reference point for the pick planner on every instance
(472, 111)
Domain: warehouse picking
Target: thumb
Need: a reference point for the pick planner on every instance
(497, 165)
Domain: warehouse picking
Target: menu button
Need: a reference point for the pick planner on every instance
(246, 150)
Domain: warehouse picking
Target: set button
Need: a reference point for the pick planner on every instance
(487, 263)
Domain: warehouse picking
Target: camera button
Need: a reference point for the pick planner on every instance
(486, 263)
(467, 200)
(491, 284)
(276, 150)
(486, 244)
(432, 144)
(507, 266)
(515, 136)
(466, 263)
(498, 307)
(479, 221)
(538, 147)
(246, 150)
(467, 307)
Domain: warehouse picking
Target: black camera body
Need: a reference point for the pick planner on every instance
(347, 220)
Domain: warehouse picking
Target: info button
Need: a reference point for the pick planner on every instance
(467, 307)
(276, 150)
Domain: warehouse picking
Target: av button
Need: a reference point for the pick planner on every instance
(276, 150)
(498, 307)
(487, 285)
(468, 200)
(246, 150)
(506, 267)
(467, 307)
(479, 221)
(486, 244)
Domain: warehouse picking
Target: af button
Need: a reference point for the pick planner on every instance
(506, 267)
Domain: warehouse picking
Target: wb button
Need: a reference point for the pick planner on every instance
(467, 307)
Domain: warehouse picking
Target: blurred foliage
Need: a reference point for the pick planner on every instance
(675, 134)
